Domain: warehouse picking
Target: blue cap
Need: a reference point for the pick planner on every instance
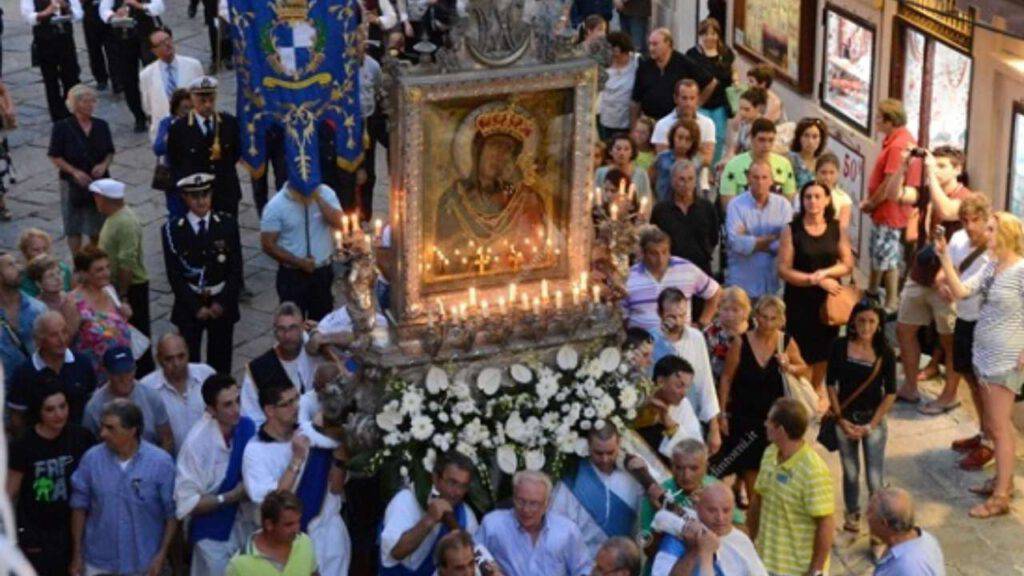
(119, 360)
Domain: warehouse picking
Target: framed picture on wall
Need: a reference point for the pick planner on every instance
(848, 68)
(851, 180)
(779, 33)
(1015, 184)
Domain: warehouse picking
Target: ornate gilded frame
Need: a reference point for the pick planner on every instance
(414, 92)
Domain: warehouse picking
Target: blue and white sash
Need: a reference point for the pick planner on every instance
(426, 568)
(312, 488)
(614, 516)
(217, 525)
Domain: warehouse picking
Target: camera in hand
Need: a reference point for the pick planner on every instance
(918, 152)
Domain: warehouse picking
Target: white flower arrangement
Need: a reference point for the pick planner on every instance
(530, 416)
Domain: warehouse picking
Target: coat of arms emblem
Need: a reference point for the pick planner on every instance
(294, 43)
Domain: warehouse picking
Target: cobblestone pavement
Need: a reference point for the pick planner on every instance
(917, 457)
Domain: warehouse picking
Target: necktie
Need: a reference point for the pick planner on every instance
(207, 126)
(202, 230)
(171, 80)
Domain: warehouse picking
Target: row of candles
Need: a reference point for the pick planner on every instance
(460, 311)
(352, 229)
(596, 198)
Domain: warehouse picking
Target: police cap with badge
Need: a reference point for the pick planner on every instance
(199, 184)
(203, 85)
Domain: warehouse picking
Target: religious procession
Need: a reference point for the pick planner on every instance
(534, 291)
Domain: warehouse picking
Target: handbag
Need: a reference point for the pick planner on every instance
(827, 434)
(836, 309)
(139, 342)
(798, 388)
(162, 178)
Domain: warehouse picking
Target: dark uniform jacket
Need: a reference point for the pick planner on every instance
(193, 264)
(188, 152)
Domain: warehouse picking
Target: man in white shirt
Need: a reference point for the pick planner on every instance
(299, 459)
(208, 486)
(676, 336)
(708, 546)
(687, 96)
(163, 76)
(410, 533)
(602, 499)
(179, 384)
(53, 48)
(287, 361)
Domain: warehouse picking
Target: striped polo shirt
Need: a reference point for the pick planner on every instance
(793, 493)
(642, 289)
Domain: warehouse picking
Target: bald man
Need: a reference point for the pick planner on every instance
(52, 358)
(179, 385)
(713, 545)
(909, 549)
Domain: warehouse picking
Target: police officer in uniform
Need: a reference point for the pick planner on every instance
(207, 141)
(131, 23)
(204, 267)
(53, 48)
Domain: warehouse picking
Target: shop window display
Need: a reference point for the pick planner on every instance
(849, 67)
(1015, 192)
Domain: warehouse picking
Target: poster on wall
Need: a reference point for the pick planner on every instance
(1015, 191)
(851, 180)
(779, 33)
(849, 65)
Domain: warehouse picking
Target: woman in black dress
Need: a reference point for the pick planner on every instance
(39, 479)
(751, 382)
(814, 254)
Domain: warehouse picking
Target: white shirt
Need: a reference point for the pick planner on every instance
(29, 14)
(689, 427)
(615, 98)
(564, 502)
(153, 8)
(661, 129)
(369, 85)
(183, 410)
(300, 371)
(339, 321)
(309, 405)
(959, 249)
(195, 220)
(736, 556)
(404, 512)
(693, 348)
(153, 87)
(202, 464)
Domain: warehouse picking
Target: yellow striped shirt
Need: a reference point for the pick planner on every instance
(793, 493)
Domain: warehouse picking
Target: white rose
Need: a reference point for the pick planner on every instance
(589, 412)
(585, 425)
(508, 462)
(489, 381)
(599, 425)
(443, 442)
(443, 417)
(604, 406)
(430, 458)
(437, 380)
(421, 428)
(628, 398)
(534, 460)
(515, 428)
(610, 359)
(567, 358)
(412, 403)
(547, 387)
(389, 419)
(582, 448)
(521, 374)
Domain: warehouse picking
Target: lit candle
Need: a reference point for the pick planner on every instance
(502, 309)
(614, 211)
(632, 192)
(464, 311)
(338, 240)
(485, 309)
(472, 296)
(345, 226)
(369, 243)
(558, 299)
(378, 228)
(536, 306)
(440, 308)
(544, 290)
(583, 280)
(597, 293)
(643, 207)
(512, 292)
(455, 312)
(575, 294)
(524, 302)
(599, 195)
(622, 187)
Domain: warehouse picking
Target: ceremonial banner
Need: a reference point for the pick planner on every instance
(297, 67)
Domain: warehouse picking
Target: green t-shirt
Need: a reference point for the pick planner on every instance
(647, 511)
(251, 562)
(121, 239)
(734, 177)
(793, 494)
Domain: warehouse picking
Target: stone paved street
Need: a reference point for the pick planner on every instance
(917, 457)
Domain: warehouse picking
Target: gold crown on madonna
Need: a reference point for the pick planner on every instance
(506, 122)
(292, 9)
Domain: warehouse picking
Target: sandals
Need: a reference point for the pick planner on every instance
(994, 506)
(934, 408)
(986, 488)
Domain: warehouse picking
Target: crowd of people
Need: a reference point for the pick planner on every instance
(130, 455)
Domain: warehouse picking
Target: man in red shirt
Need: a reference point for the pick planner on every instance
(888, 215)
(921, 302)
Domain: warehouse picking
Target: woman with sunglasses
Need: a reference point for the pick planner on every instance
(998, 352)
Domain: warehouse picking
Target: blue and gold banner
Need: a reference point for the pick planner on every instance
(297, 68)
